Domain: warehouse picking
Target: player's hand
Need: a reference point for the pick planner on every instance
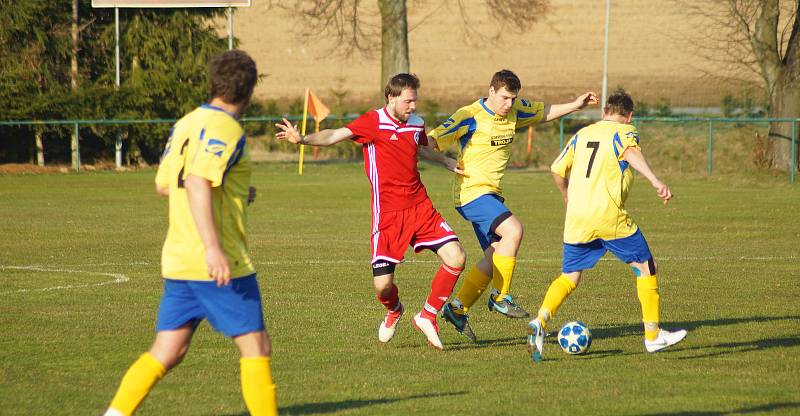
(589, 98)
(663, 191)
(251, 195)
(218, 268)
(288, 132)
(452, 166)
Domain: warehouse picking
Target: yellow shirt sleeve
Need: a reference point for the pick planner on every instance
(459, 124)
(528, 112)
(163, 173)
(628, 137)
(211, 156)
(563, 164)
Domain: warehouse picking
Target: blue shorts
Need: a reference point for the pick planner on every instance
(485, 213)
(632, 249)
(233, 309)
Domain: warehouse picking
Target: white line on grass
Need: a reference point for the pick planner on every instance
(118, 278)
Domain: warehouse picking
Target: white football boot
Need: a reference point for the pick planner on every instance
(535, 340)
(388, 327)
(428, 328)
(665, 339)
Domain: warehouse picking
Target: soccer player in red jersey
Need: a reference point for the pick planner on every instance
(402, 213)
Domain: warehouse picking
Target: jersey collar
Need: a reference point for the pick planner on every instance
(483, 104)
(208, 106)
(392, 119)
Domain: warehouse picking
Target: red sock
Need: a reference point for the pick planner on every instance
(441, 289)
(392, 299)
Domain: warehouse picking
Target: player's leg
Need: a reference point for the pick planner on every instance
(236, 311)
(634, 251)
(178, 315)
(388, 295)
(504, 260)
(576, 258)
(258, 388)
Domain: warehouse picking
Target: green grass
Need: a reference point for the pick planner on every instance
(727, 247)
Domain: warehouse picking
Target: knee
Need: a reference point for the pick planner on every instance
(513, 232)
(382, 286)
(169, 358)
(456, 257)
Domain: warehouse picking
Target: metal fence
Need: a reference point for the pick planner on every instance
(75, 126)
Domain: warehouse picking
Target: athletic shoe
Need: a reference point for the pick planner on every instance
(389, 325)
(505, 305)
(535, 339)
(429, 328)
(460, 321)
(664, 340)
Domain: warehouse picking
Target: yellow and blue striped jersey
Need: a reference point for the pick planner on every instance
(484, 140)
(209, 143)
(599, 181)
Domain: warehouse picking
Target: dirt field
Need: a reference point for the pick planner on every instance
(556, 59)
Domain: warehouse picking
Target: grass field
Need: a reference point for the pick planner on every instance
(79, 266)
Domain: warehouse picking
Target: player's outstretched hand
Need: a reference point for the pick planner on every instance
(663, 191)
(218, 268)
(588, 98)
(288, 132)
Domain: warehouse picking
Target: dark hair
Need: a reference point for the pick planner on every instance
(232, 76)
(619, 103)
(400, 82)
(506, 78)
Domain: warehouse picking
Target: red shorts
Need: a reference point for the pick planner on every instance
(419, 226)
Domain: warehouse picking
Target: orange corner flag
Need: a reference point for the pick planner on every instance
(318, 110)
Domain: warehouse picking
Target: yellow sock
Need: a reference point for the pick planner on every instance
(137, 383)
(474, 285)
(647, 290)
(556, 294)
(503, 272)
(258, 388)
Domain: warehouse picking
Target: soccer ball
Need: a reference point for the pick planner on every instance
(575, 338)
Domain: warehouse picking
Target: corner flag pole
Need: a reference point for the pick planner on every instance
(303, 133)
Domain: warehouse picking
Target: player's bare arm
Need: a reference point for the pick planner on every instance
(327, 137)
(431, 152)
(554, 111)
(198, 191)
(162, 190)
(637, 160)
(562, 184)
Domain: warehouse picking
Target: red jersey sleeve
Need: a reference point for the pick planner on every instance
(423, 138)
(364, 128)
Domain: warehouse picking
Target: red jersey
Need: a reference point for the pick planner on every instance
(390, 158)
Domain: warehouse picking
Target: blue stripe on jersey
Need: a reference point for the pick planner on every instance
(622, 163)
(485, 107)
(470, 122)
(202, 135)
(522, 114)
(236, 156)
(525, 103)
(571, 144)
(472, 126)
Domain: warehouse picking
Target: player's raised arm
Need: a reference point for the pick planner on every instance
(554, 111)
(325, 137)
(637, 160)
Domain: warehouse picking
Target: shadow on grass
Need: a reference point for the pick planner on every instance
(626, 330)
(745, 410)
(331, 407)
(485, 343)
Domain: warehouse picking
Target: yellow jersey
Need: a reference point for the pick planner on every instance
(208, 143)
(484, 140)
(599, 181)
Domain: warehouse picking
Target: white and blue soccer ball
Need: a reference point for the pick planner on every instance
(575, 338)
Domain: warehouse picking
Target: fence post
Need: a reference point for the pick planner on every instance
(794, 137)
(560, 133)
(710, 148)
(76, 157)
